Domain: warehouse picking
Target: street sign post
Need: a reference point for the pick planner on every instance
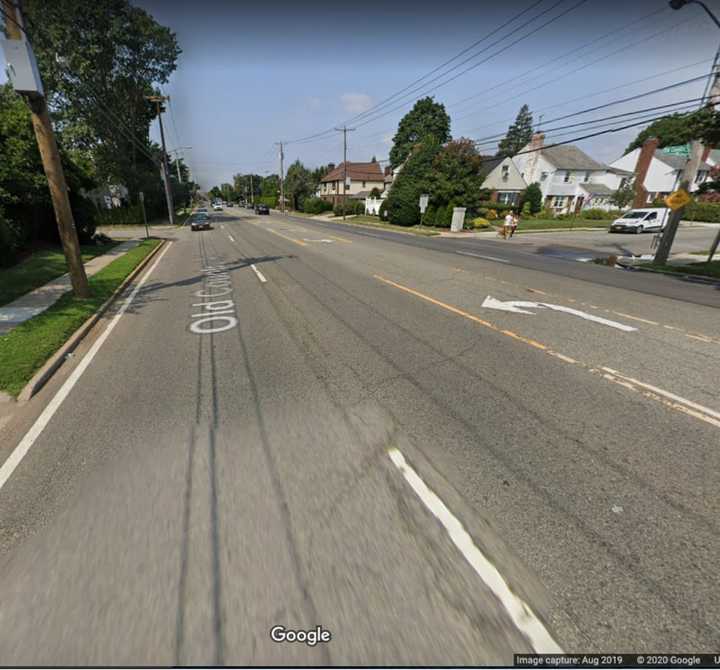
(677, 150)
(141, 198)
(424, 198)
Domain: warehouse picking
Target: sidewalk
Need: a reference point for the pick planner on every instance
(37, 301)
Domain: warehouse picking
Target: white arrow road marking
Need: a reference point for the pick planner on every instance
(517, 305)
(305, 239)
(259, 274)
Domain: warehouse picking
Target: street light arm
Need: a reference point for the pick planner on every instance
(707, 10)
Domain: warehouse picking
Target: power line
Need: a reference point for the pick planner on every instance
(475, 65)
(463, 52)
(614, 116)
(576, 70)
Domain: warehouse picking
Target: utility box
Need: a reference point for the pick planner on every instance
(22, 69)
(458, 219)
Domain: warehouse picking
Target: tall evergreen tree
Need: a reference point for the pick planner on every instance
(426, 119)
(518, 134)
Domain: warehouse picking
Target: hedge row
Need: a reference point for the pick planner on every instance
(708, 212)
(316, 206)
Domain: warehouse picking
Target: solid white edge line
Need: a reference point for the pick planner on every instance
(15, 458)
(667, 394)
(487, 258)
(518, 610)
(259, 274)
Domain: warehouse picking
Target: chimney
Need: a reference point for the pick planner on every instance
(537, 141)
(647, 152)
(706, 153)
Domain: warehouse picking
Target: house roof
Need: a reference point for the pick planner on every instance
(357, 171)
(569, 157)
(677, 162)
(597, 189)
(488, 165)
(614, 170)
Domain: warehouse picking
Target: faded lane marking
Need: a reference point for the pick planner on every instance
(487, 258)
(637, 318)
(664, 397)
(42, 421)
(259, 274)
(232, 239)
(292, 239)
(519, 611)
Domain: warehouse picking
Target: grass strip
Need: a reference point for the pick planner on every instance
(40, 268)
(701, 269)
(26, 348)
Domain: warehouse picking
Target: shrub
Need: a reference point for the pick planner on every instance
(118, 216)
(547, 213)
(350, 208)
(316, 206)
(497, 206)
(383, 211)
(9, 242)
(85, 215)
(595, 214)
(708, 212)
(269, 200)
(491, 214)
(526, 210)
(480, 223)
(428, 218)
(532, 198)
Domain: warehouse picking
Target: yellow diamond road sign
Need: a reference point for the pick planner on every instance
(677, 199)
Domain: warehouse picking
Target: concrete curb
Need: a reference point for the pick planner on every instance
(52, 365)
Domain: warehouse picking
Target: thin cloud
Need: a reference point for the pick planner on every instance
(356, 103)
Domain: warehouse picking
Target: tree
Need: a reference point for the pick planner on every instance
(426, 119)
(677, 129)
(624, 195)
(415, 178)
(532, 196)
(518, 134)
(299, 184)
(99, 59)
(457, 175)
(270, 186)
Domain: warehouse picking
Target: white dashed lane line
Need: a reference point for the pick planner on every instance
(259, 274)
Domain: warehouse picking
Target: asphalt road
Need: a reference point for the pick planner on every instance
(305, 424)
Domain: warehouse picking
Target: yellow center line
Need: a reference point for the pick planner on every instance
(340, 239)
(287, 237)
(637, 318)
(671, 401)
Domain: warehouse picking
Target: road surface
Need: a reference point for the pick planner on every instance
(297, 424)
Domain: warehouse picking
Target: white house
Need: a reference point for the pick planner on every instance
(663, 172)
(569, 179)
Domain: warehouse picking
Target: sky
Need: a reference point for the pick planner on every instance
(253, 74)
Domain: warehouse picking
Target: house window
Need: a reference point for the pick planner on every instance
(566, 178)
(543, 176)
(505, 172)
(559, 201)
(587, 176)
(508, 198)
(700, 177)
(363, 185)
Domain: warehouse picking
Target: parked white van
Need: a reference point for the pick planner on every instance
(640, 220)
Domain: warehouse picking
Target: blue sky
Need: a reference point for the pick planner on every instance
(251, 76)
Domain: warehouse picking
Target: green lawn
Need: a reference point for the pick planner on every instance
(26, 348)
(530, 225)
(703, 269)
(39, 269)
(367, 220)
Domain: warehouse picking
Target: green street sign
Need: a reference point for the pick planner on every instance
(677, 150)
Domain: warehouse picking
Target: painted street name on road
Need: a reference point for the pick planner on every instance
(217, 310)
(522, 306)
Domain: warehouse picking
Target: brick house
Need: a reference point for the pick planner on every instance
(362, 178)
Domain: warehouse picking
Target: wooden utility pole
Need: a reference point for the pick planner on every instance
(282, 180)
(158, 100)
(344, 130)
(252, 191)
(52, 165)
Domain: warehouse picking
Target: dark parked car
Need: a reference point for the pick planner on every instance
(262, 209)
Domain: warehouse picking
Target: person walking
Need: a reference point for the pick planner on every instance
(507, 226)
(514, 225)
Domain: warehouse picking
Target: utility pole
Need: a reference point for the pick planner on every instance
(252, 191)
(158, 100)
(344, 130)
(710, 96)
(50, 156)
(282, 180)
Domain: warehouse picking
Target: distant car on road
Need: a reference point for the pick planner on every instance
(200, 221)
(640, 220)
(262, 209)
(217, 207)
